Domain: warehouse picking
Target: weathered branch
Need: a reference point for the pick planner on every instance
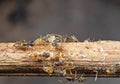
(100, 58)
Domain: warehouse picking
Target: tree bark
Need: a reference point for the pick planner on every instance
(100, 58)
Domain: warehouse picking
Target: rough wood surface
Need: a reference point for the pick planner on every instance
(100, 58)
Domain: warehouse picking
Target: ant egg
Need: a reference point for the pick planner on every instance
(111, 70)
(51, 39)
(48, 69)
(39, 41)
(35, 56)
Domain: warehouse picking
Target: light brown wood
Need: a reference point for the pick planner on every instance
(100, 58)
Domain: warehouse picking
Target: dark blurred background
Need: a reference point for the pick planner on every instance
(28, 19)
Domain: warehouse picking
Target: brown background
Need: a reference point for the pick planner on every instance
(27, 19)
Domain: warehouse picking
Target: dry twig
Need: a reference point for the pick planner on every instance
(68, 59)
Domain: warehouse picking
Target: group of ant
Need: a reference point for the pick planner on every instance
(53, 39)
(42, 40)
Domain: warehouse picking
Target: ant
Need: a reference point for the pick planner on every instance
(23, 45)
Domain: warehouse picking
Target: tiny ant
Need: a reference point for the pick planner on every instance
(70, 39)
(59, 63)
(46, 54)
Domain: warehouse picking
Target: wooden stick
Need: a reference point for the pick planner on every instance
(71, 60)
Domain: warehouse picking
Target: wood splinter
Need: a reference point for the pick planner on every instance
(56, 55)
